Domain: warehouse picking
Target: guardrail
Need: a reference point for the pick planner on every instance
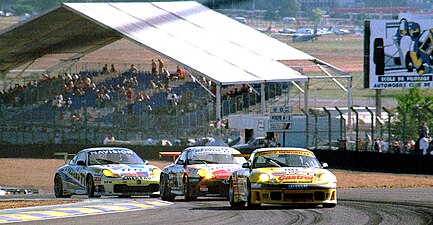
(15, 191)
(64, 154)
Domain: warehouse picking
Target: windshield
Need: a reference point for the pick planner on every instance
(215, 159)
(103, 157)
(285, 160)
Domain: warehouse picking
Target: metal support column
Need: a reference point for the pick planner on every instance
(329, 127)
(262, 98)
(372, 127)
(356, 127)
(218, 102)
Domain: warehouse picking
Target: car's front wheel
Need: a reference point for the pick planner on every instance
(164, 189)
(249, 199)
(58, 187)
(232, 202)
(90, 185)
(187, 190)
(329, 205)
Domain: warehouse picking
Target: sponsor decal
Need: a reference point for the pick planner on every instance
(281, 152)
(136, 178)
(297, 186)
(114, 151)
(296, 177)
(223, 173)
(205, 151)
(204, 188)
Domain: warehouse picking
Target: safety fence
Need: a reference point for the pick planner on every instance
(363, 129)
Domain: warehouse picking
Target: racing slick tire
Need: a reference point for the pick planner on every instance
(187, 190)
(408, 62)
(233, 204)
(379, 56)
(329, 205)
(90, 185)
(249, 204)
(164, 189)
(58, 187)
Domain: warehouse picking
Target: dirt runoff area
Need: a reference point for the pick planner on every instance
(39, 174)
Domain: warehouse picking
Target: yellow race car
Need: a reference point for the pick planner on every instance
(282, 176)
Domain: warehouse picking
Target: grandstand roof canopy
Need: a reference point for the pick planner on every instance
(202, 40)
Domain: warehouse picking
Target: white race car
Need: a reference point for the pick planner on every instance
(107, 171)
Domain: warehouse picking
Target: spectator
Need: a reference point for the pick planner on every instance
(57, 139)
(377, 145)
(171, 98)
(154, 70)
(113, 69)
(160, 66)
(45, 76)
(423, 144)
(423, 130)
(166, 77)
(104, 69)
(218, 126)
(180, 73)
(133, 69)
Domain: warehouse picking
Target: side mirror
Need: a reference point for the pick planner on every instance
(325, 165)
(180, 162)
(81, 163)
(146, 162)
(246, 165)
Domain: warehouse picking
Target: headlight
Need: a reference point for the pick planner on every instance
(109, 173)
(264, 177)
(204, 173)
(325, 178)
(156, 172)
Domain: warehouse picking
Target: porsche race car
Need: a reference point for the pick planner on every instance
(199, 171)
(282, 176)
(107, 171)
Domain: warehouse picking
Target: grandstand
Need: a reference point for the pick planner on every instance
(107, 105)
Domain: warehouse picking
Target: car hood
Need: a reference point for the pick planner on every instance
(295, 174)
(221, 171)
(127, 169)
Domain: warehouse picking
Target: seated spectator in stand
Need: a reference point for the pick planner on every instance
(87, 82)
(133, 69)
(166, 78)
(171, 98)
(244, 89)
(159, 86)
(130, 99)
(45, 76)
(152, 86)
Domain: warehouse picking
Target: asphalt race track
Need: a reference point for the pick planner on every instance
(355, 206)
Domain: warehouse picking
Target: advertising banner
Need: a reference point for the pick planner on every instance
(400, 54)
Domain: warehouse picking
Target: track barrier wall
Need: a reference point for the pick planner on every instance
(337, 159)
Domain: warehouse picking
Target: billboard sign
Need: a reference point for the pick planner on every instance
(400, 53)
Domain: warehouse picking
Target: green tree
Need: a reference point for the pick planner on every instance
(413, 108)
(277, 9)
(316, 16)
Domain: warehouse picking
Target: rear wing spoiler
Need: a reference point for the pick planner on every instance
(246, 156)
(176, 154)
(167, 154)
